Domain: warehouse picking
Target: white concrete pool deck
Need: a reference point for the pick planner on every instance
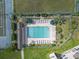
(49, 40)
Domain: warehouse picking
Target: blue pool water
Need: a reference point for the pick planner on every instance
(38, 32)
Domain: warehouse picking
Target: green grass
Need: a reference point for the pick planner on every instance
(38, 53)
(43, 53)
(43, 6)
(9, 54)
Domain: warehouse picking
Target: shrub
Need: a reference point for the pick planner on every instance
(59, 29)
(44, 15)
(74, 24)
(61, 36)
(61, 41)
(54, 22)
(14, 36)
(53, 45)
(29, 21)
(32, 45)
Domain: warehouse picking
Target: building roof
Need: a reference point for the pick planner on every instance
(69, 54)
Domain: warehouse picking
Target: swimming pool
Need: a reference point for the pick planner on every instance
(38, 32)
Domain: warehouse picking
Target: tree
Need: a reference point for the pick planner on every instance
(53, 22)
(29, 21)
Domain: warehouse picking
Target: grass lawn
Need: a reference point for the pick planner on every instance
(38, 53)
(43, 53)
(9, 54)
(43, 6)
